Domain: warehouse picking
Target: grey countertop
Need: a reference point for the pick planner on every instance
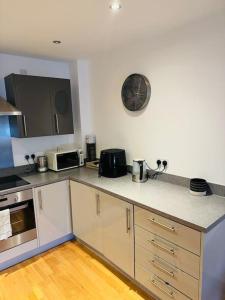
(169, 200)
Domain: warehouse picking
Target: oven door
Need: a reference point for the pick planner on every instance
(23, 224)
(67, 160)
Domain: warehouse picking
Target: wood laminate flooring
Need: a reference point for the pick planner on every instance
(69, 271)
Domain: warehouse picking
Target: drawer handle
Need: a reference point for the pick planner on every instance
(170, 251)
(162, 225)
(161, 268)
(24, 125)
(165, 291)
(57, 123)
(97, 205)
(128, 220)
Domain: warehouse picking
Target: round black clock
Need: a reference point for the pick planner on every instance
(136, 92)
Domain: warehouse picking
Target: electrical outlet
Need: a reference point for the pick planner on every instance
(159, 163)
(165, 164)
(162, 163)
(27, 157)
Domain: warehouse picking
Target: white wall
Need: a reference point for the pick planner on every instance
(83, 68)
(14, 64)
(185, 119)
(80, 83)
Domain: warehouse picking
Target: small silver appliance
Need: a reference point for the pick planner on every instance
(42, 163)
(139, 173)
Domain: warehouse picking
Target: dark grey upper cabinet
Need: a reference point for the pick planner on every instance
(35, 97)
(31, 95)
(62, 106)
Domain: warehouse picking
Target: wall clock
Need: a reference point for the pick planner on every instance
(136, 92)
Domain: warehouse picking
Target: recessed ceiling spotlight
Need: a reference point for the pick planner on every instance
(57, 42)
(115, 6)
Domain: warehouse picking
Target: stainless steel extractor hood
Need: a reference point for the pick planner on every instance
(7, 109)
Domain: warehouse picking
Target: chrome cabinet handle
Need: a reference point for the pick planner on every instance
(24, 125)
(158, 265)
(57, 123)
(166, 291)
(98, 205)
(172, 228)
(168, 250)
(40, 200)
(128, 219)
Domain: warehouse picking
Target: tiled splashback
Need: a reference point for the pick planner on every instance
(6, 155)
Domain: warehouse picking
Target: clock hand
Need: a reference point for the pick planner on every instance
(139, 86)
(139, 94)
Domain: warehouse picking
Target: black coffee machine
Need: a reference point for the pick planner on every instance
(112, 163)
(90, 147)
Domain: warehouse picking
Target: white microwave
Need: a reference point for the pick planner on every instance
(64, 160)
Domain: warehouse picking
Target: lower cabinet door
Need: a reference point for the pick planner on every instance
(118, 233)
(86, 214)
(105, 223)
(52, 203)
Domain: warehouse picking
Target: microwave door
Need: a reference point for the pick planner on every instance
(67, 160)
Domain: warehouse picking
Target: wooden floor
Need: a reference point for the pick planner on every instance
(66, 272)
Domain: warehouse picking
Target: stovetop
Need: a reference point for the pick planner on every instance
(10, 182)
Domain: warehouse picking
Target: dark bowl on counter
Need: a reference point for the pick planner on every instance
(199, 185)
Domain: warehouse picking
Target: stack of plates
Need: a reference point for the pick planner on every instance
(198, 187)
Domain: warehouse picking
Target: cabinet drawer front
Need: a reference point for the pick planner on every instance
(175, 277)
(157, 286)
(173, 254)
(172, 231)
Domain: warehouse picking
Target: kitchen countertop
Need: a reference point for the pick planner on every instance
(169, 200)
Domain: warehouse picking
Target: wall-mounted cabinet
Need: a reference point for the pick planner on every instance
(61, 106)
(45, 104)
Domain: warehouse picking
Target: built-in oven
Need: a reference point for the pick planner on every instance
(22, 218)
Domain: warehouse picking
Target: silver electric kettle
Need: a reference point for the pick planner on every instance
(139, 173)
(42, 163)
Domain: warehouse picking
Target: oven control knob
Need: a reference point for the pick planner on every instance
(16, 199)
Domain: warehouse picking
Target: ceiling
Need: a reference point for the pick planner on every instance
(87, 27)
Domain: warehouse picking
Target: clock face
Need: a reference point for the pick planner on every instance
(136, 92)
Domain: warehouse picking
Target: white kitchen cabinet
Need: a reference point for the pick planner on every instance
(105, 223)
(52, 204)
(118, 238)
(87, 220)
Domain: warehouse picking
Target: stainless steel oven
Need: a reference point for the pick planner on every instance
(22, 218)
